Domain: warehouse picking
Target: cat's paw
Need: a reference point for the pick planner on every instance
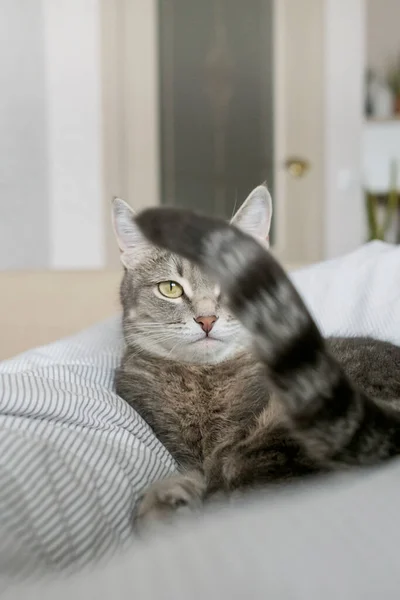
(168, 498)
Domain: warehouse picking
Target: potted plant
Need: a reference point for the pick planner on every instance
(383, 211)
(393, 79)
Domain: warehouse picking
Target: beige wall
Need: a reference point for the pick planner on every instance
(383, 32)
(39, 307)
(50, 135)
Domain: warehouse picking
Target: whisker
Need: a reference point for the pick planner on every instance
(234, 206)
(150, 337)
(172, 349)
(151, 326)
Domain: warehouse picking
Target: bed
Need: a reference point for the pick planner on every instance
(74, 458)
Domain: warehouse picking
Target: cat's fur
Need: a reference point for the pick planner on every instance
(270, 402)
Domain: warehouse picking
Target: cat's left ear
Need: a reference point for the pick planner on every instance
(254, 216)
(131, 242)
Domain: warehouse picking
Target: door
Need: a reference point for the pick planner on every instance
(212, 98)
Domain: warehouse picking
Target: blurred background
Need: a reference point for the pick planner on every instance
(185, 103)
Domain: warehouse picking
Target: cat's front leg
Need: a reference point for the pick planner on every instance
(169, 498)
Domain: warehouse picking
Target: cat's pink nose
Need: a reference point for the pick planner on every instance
(206, 323)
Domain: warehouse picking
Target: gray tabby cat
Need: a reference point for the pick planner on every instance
(227, 366)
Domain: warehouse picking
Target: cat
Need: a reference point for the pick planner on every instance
(225, 363)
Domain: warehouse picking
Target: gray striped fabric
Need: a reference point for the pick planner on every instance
(73, 455)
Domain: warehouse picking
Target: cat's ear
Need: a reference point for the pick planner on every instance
(254, 216)
(130, 240)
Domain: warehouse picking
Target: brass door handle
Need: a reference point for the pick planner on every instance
(297, 167)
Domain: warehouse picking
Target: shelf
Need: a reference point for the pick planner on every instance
(394, 119)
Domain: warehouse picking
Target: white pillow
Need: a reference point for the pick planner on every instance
(357, 294)
(74, 456)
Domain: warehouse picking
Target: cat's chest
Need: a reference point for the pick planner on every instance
(195, 401)
(188, 406)
(195, 394)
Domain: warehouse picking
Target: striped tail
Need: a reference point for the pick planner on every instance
(330, 417)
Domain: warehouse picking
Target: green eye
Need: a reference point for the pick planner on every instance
(170, 289)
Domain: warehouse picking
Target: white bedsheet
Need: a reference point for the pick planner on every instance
(358, 294)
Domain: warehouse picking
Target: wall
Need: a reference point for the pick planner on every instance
(383, 33)
(344, 215)
(51, 181)
(381, 147)
(74, 132)
(24, 201)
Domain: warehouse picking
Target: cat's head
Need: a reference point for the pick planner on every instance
(170, 308)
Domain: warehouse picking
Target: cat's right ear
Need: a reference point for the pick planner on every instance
(254, 216)
(130, 240)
